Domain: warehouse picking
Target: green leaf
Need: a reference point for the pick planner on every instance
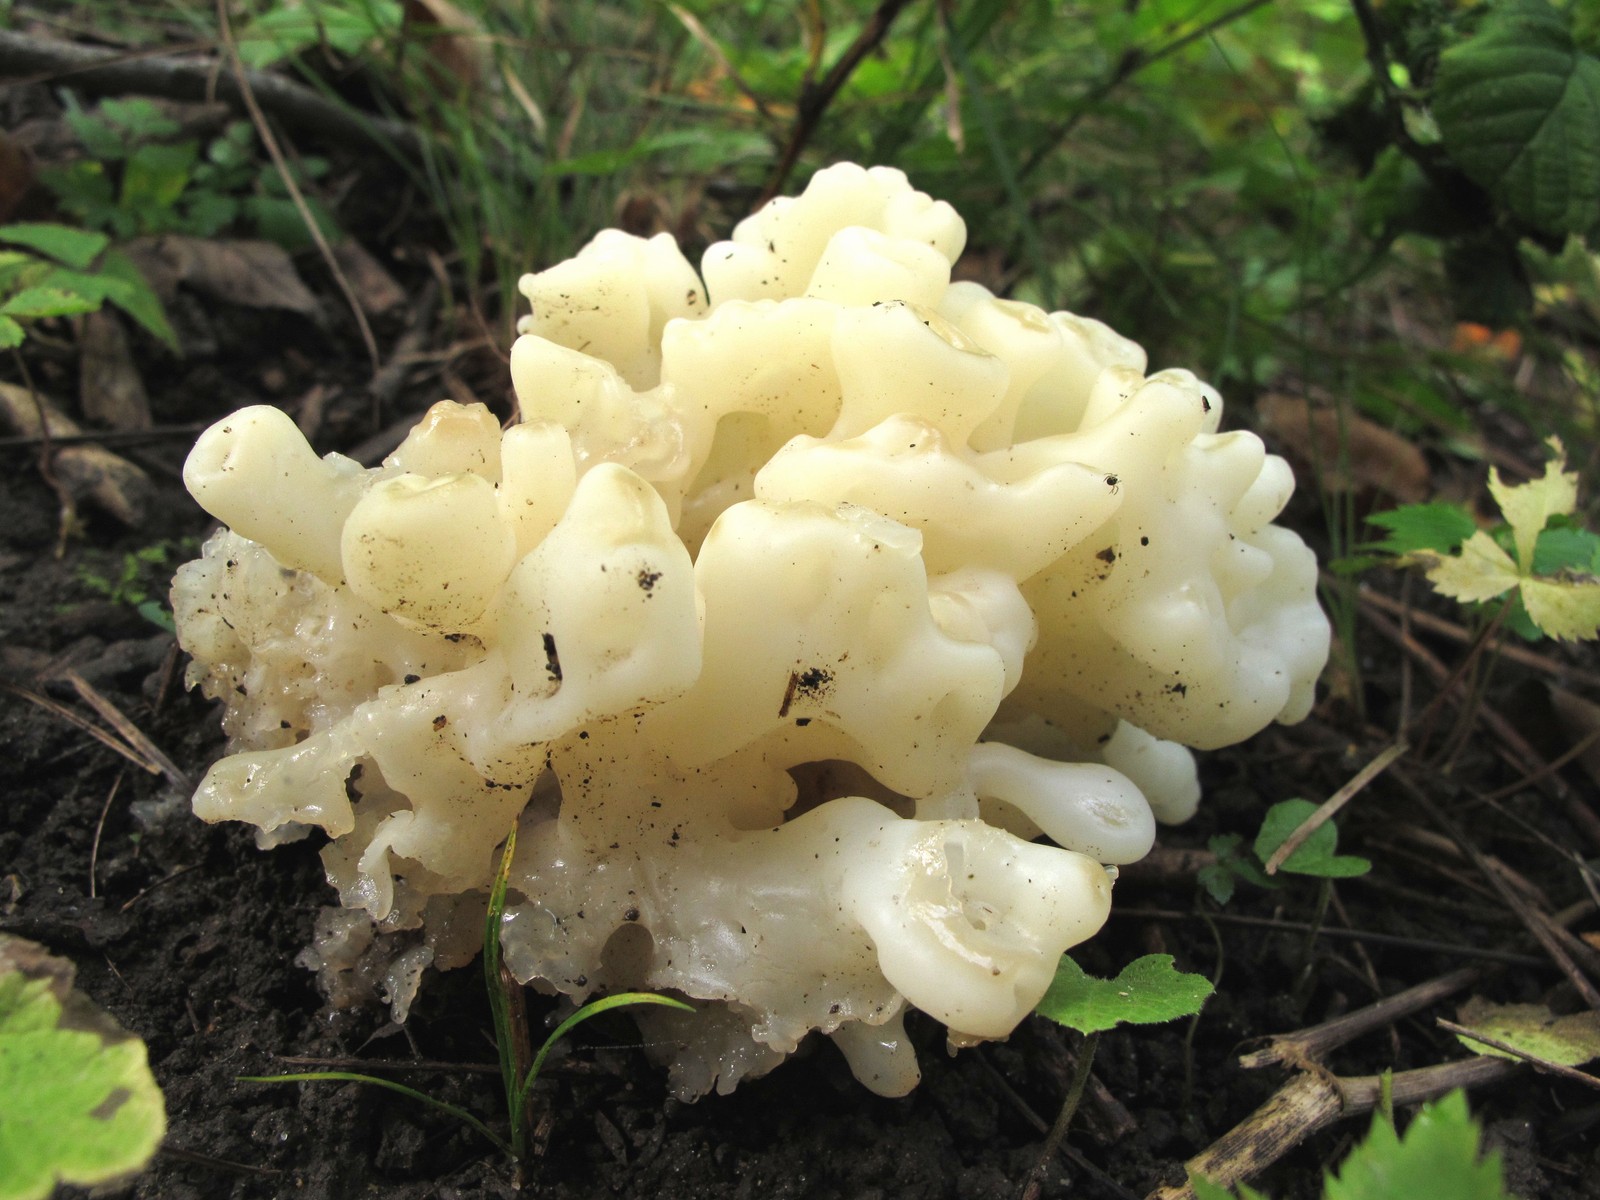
(1532, 1028)
(75, 247)
(1436, 527)
(1204, 1189)
(1316, 855)
(127, 288)
(1437, 1157)
(154, 179)
(1565, 549)
(1518, 109)
(34, 302)
(138, 118)
(11, 334)
(80, 1103)
(1147, 992)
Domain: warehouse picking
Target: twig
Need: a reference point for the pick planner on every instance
(99, 828)
(709, 44)
(1531, 917)
(1069, 1108)
(1328, 808)
(130, 732)
(1533, 1060)
(1130, 64)
(101, 71)
(157, 433)
(1311, 1102)
(275, 152)
(1304, 1046)
(1455, 949)
(369, 1064)
(1513, 745)
(815, 97)
(83, 723)
(160, 883)
(1370, 598)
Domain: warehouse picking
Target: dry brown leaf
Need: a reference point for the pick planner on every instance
(374, 287)
(16, 175)
(253, 274)
(456, 45)
(1378, 459)
(85, 471)
(110, 390)
(1580, 719)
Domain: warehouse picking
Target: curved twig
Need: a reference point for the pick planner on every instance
(102, 71)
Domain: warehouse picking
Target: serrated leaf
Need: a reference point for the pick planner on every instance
(1567, 610)
(129, 291)
(1316, 855)
(1437, 1157)
(1518, 109)
(1204, 1189)
(1565, 549)
(1481, 571)
(75, 247)
(1436, 527)
(1148, 991)
(1218, 882)
(1569, 1041)
(34, 302)
(80, 1103)
(1528, 507)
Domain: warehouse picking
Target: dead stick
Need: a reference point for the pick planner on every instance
(116, 73)
(1531, 916)
(1311, 1102)
(1326, 811)
(815, 97)
(1305, 1046)
(1513, 745)
(1533, 1060)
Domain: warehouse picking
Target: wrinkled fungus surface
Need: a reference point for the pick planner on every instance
(828, 627)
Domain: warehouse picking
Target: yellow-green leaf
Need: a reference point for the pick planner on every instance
(1527, 507)
(1533, 1029)
(1481, 571)
(1567, 610)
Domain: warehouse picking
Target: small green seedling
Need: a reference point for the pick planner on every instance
(1148, 991)
(49, 270)
(519, 1077)
(138, 179)
(1438, 1156)
(1541, 557)
(77, 1101)
(1316, 857)
(133, 583)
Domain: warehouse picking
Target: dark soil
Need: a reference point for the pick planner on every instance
(188, 934)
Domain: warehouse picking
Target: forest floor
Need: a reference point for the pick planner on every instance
(188, 934)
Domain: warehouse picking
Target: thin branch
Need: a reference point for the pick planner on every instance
(1533, 1060)
(1311, 1102)
(275, 152)
(101, 71)
(1326, 811)
(815, 97)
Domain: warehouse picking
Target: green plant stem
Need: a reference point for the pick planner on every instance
(460, 1114)
(1069, 1109)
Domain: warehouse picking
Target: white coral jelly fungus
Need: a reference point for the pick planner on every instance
(800, 604)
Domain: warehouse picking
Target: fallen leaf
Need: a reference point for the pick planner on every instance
(1375, 459)
(375, 289)
(455, 45)
(16, 175)
(110, 390)
(1533, 1029)
(85, 471)
(252, 274)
